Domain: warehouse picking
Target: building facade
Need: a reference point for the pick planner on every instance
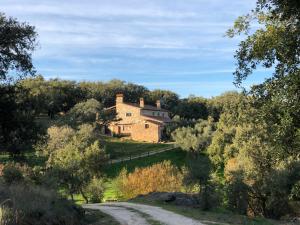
(139, 121)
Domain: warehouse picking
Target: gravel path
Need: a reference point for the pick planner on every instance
(122, 215)
(121, 212)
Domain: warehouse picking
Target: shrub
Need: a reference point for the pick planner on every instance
(6, 216)
(27, 204)
(237, 194)
(208, 197)
(95, 190)
(161, 177)
(12, 173)
(295, 192)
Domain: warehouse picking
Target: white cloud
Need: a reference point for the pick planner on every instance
(142, 38)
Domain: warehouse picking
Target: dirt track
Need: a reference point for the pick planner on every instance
(138, 214)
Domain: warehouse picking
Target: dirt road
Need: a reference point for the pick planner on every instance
(138, 214)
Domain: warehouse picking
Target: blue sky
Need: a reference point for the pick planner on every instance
(168, 44)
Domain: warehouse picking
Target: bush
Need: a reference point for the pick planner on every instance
(12, 174)
(95, 190)
(295, 192)
(208, 197)
(27, 204)
(161, 177)
(6, 216)
(237, 195)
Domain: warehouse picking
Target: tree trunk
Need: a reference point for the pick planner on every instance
(84, 196)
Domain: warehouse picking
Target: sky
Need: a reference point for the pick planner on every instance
(177, 45)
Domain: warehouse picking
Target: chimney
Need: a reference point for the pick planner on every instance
(142, 104)
(119, 98)
(158, 104)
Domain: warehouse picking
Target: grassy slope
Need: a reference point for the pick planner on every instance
(176, 156)
(118, 148)
(219, 216)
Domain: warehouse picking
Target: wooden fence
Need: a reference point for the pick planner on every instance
(142, 155)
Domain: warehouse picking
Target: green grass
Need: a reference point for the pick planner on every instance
(118, 148)
(176, 156)
(96, 217)
(218, 216)
(28, 157)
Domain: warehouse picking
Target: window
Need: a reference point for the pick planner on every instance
(128, 114)
(153, 113)
(146, 126)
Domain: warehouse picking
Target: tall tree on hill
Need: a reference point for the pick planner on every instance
(268, 128)
(17, 41)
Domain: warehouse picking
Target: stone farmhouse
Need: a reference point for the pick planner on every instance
(139, 121)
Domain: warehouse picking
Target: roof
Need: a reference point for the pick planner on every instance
(146, 107)
(158, 119)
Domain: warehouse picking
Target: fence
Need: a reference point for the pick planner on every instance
(146, 154)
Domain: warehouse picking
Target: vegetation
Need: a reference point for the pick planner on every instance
(156, 178)
(242, 149)
(118, 148)
(75, 157)
(216, 216)
(23, 204)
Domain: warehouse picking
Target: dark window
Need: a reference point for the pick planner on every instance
(128, 114)
(146, 126)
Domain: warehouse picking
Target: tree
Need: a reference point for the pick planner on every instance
(197, 138)
(17, 41)
(192, 108)
(75, 157)
(84, 112)
(267, 137)
(169, 100)
(274, 45)
(18, 130)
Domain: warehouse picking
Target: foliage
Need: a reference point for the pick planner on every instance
(52, 96)
(17, 41)
(75, 158)
(18, 130)
(161, 177)
(268, 138)
(27, 204)
(169, 100)
(12, 174)
(197, 138)
(237, 193)
(83, 112)
(222, 147)
(295, 192)
(95, 190)
(192, 108)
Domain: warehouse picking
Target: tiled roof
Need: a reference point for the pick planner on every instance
(157, 119)
(146, 107)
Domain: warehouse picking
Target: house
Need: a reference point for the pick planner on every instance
(139, 121)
